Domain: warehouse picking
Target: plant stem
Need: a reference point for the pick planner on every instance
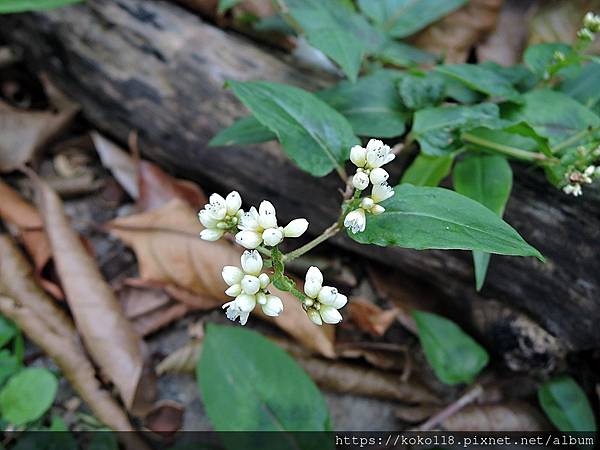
(263, 250)
(506, 149)
(468, 397)
(576, 137)
(331, 231)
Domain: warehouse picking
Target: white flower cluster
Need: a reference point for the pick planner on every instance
(576, 178)
(261, 226)
(322, 302)
(251, 228)
(248, 285)
(368, 162)
(591, 26)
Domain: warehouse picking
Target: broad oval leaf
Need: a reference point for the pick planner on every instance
(371, 105)
(401, 18)
(418, 92)
(28, 395)
(481, 79)
(323, 24)
(427, 170)
(584, 86)
(487, 179)
(429, 217)
(566, 405)
(454, 355)
(250, 384)
(314, 135)
(244, 131)
(438, 129)
(540, 56)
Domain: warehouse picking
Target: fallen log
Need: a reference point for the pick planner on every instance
(154, 67)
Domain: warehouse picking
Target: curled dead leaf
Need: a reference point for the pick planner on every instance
(456, 34)
(106, 332)
(165, 418)
(370, 318)
(170, 254)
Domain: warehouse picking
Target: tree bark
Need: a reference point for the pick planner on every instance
(151, 66)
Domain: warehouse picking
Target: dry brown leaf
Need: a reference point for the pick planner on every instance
(416, 413)
(165, 418)
(182, 360)
(139, 301)
(16, 210)
(25, 132)
(456, 34)
(160, 318)
(516, 416)
(106, 332)
(29, 307)
(120, 164)
(171, 255)
(382, 355)
(370, 318)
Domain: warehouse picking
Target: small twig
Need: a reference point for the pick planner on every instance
(468, 397)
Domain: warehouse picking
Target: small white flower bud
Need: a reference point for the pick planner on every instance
(360, 181)
(273, 307)
(295, 228)
(356, 220)
(266, 215)
(232, 275)
(233, 201)
(264, 280)
(378, 176)
(250, 284)
(252, 262)
(367, 203)
(377, 209)
(313, 282)
(234, 290)
(248, 239)
(314, 316)
(327, 295)
(272, 236)
(358, 155)
(330, 315)
(245, 302)
(211, 234)
(261, 298)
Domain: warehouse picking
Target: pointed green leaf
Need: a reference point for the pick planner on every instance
(427, 170)
(28, 395)
(454, 355)
(487, 179)
(250, 384)
(430, 217)
(402, 55)
(15, 6)
(401, 18)
(418, 92)
(7, 331)
(566, 405)
(584, 86)
(371, 105)
(481, 79)
(314, 135)
(244, 131)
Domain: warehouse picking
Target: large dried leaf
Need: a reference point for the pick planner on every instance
(106, 332)
(370, 318)
(48, 326)
(15, 210)
(121, 165)
(170, 254)
(456, 34)
(515, 416)
(25, 132)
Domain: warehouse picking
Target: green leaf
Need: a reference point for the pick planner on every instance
(401, 18)
(9, 365)
(438, 129)
(323, 24)
(539, 57)
(402, 55)
(250, 384)
(553, 115)
(225, 5)
(14, 6)
(566, 405)
(314, 135)
(28, 395)
(487, 179)
(430, 217)
(453, 354)
(244, 131)
(584, 87)
(507, 142)
(481, 79)
(517, 75)
(418, 92)
(371, 105)
(427, 170)
(7, 331)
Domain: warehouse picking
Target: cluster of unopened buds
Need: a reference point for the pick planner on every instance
(257, 229)
(575, 179)
(591, 26)
(369, 162)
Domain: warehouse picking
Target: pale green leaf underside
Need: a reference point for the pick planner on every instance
(429, 217)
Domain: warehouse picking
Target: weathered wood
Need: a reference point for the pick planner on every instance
(154, 67)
